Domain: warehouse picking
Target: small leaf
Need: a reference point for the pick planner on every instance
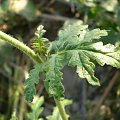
(54, 76)
(39, 44)
(37, 108)
(33, 79)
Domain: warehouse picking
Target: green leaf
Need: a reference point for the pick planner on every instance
(75, 35)
(66, 35)
(40, 49)
(85, 68)
(54, 76)
(30, 83)
(106, 54)
(103, 54)
(79, 47)
(40, 43)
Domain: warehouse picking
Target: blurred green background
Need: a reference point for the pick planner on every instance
(20, 18)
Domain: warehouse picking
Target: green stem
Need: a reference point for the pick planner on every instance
(61, 109)
(21, 46)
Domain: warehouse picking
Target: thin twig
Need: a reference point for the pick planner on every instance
(105, 94)
(5, 74)
(64, 2)
(56, 17)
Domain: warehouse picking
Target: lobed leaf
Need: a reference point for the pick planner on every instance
(36, 109)
(75, 35)
(82, 55)
(30, 83)
(103, 54)
(85, 68)
(77, 44)
(54, 76)
(39, 43)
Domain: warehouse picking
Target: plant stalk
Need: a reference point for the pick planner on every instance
(61, 109)
(21, 46)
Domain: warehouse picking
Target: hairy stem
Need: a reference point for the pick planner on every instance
(61, 109)
(21, 46)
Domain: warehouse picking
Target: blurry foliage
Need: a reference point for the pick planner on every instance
(11, 10)
(14, 117)
(56, 115)
(101, 13)
(36, 109)
(26, 8)
(5, 51)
